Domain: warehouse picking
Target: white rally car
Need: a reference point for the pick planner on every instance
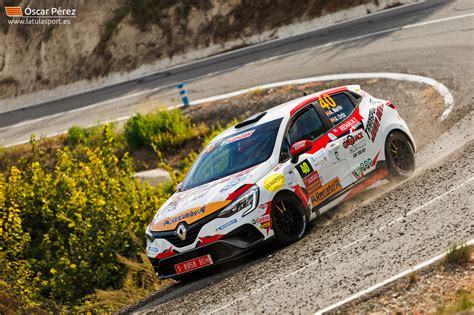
(266, 177)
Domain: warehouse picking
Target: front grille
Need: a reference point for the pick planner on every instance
(219, 251)
(231, 246)
(191, 234)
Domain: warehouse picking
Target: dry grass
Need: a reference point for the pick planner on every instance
(458, 255)
(463, 304)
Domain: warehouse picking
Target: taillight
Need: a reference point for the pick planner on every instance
(390, 104)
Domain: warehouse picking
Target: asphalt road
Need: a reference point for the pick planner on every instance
(389, 229)
(224, 62)
(120, 100)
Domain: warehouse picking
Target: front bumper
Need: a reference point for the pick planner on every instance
(233, 245)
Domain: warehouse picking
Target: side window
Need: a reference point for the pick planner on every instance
(307, 126)
(337, 107)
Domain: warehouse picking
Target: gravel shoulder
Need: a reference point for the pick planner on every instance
(440, 288)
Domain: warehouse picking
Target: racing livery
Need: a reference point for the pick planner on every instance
(266, 177)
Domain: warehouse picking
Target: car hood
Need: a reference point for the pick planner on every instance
(196, 203)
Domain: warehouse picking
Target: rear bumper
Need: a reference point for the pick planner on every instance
(235, 244)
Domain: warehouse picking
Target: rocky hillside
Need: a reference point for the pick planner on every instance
(121, 35)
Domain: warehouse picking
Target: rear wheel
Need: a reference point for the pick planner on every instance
(400, 154)
(288, 219)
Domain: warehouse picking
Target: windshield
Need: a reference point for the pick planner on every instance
(233, 154)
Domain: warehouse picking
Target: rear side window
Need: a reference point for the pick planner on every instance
(337, 107)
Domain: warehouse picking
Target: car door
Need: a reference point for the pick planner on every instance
(324, 173)
(354, 145)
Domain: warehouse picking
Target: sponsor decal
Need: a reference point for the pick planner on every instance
(331, 109)
(312, 182)
(189, 216)
(238, 137)
(267, 226)
(175, 201)
(365, 166)
(348, 124)
(352, 139)
(373, 122)
(233, 182)
(181, 217)
(263, 219)
(318, 158)
(359, 152)
(222, 227)
(304, 168)
(326, 191)
(152, 249)
(357, 146)
(274, 182)
(362, 168)
(236, 175)
(311, 178)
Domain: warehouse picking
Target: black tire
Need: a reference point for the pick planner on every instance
(400, 155)
(288, 219)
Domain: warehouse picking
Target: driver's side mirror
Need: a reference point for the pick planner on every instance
(299, 148)
(178, 187)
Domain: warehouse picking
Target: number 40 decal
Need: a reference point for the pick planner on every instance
(326, 101)
(304, 168)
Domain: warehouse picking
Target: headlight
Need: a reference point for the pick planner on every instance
(246, 203)
(149, 234)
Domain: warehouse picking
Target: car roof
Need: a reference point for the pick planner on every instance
(283, 110)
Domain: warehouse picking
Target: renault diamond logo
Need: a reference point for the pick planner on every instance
(181, 231)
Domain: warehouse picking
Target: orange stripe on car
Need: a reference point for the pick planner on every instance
(189, 216)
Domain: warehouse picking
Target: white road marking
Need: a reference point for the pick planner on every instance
(185, 64)
(409, 213)
(447, 96)
(387, 281)
(439, 87)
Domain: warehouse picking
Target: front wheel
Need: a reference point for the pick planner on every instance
(288, 219)
(400, 154)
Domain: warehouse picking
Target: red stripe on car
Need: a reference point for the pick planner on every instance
(167, 253)
(238, 192)
(209, 239)
(381, 174)
(315, 98)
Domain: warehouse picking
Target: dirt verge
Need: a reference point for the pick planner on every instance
(441, 288)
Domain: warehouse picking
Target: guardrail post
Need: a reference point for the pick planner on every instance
(184, 96)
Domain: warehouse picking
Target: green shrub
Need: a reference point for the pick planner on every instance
(76, 135)
(161, 129)
(91, 136)
(66, 225)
